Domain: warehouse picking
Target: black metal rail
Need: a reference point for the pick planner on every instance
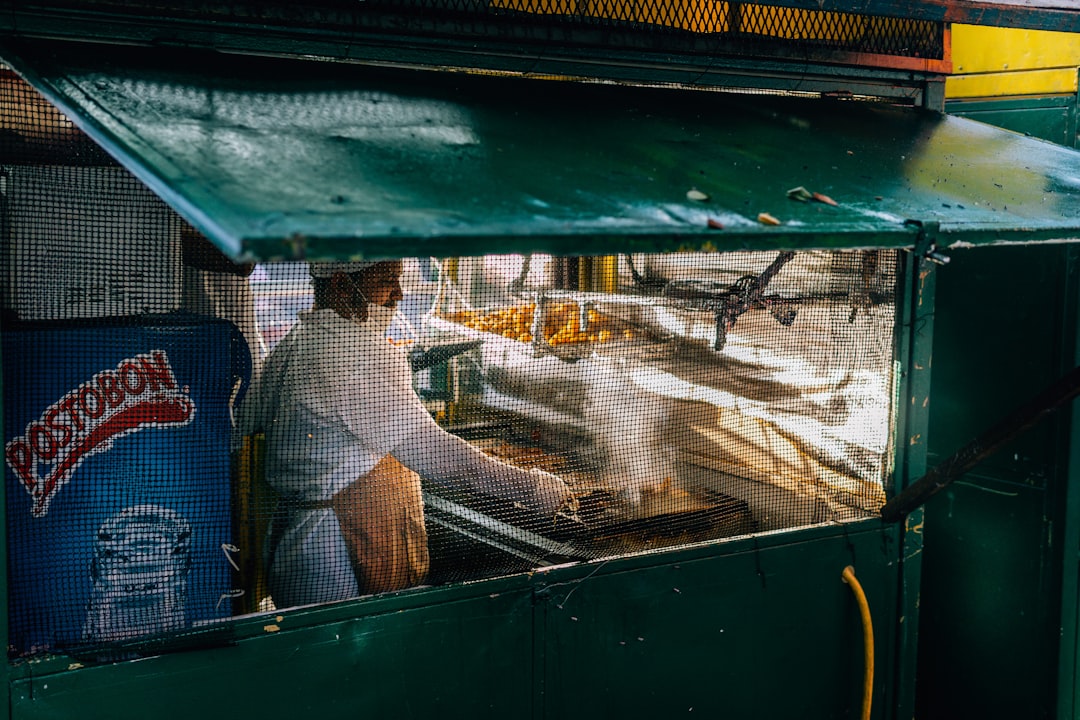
(982, 447)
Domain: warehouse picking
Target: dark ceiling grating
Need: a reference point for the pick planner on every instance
(703, 26)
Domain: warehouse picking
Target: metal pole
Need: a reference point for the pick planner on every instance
(982, 447)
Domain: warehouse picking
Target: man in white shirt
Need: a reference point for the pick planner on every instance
(346, 436)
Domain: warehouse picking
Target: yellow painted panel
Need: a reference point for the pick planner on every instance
(1029, 82)
(977, 49)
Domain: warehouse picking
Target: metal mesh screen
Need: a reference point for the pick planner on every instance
(682, 397)
(116, 400)
(712, 26)
(187, 439)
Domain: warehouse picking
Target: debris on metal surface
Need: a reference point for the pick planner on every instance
(800, 193)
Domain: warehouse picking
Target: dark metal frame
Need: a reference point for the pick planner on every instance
(611, 50)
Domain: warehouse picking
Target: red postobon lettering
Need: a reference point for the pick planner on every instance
(141, 392)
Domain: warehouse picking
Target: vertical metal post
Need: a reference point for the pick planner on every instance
(1074, 116)
(1067, 498)
(450, 268)
(915, 315)
(606, 274)
(5, 694)
(734, 17)
(933, 95)
(451, 273)
(585, 273)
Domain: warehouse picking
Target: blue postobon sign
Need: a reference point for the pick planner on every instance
(141, 392)
(119, 497)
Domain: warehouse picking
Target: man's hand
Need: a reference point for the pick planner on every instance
(551, 494)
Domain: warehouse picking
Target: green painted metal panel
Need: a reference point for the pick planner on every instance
(998, 342)
(768, 633)
(995, 541)
(545, 644)
(468, 658)
(1051, 124)
(290, 159)
(1048, 118)
(989, 607)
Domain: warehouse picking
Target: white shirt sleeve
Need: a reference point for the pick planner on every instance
(380, 407)
(368, 391)
(437, 455)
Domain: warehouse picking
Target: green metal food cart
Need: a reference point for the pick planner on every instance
(815, 286)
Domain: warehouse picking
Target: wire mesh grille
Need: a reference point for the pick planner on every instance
(737, 28)
(208, 439)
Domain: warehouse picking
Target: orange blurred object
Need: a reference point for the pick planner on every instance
(562, 324)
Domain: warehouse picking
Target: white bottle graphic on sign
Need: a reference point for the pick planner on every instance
(142, 557)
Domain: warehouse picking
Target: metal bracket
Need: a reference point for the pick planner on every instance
(933, 94)
(926, 241)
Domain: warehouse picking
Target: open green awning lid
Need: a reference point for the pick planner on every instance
(276, 158)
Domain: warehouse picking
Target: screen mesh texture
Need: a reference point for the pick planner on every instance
(187, 439)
